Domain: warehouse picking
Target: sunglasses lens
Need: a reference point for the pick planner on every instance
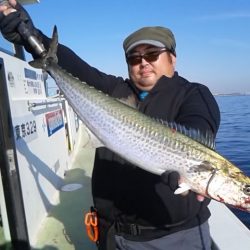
(149, 57)
(152, 56)
(134, 60)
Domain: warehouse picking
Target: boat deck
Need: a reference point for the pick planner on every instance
(64, 228)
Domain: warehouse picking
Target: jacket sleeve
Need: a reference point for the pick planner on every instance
(72, 63)
(200, 110)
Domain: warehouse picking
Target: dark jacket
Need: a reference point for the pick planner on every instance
(127, 193)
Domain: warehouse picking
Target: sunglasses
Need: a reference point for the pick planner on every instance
(151, 55)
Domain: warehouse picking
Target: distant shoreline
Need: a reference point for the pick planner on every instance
(233, 94)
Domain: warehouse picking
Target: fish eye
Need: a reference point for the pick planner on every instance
(246, 190)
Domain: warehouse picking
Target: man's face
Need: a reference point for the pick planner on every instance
(145, 73)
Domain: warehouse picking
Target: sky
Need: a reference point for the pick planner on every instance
(212, 36)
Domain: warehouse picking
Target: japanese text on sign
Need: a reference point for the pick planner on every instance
(25, 128)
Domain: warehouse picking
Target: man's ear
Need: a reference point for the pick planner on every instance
(173, 59)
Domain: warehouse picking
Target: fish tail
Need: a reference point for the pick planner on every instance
(50, 56)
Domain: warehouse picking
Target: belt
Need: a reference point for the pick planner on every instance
(139, 230)
(132, 229)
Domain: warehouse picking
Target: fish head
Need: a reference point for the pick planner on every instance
(232, 189)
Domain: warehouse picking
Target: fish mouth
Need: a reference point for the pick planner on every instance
(244, 205)
(247, 201)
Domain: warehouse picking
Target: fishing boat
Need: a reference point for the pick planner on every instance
(46, 161)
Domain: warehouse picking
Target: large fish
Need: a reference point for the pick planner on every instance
(147, 143)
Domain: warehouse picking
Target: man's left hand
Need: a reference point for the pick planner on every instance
(173, 180)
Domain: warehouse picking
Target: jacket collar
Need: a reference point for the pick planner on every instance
(163, 83)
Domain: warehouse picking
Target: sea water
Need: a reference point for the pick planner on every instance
(233, 138)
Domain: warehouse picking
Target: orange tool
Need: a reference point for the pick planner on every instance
(91, 223)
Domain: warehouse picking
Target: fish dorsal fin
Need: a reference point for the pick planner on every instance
(207, 138)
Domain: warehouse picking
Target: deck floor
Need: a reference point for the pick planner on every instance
(64, 228)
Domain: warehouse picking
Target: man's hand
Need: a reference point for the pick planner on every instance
(173, 180)
(10, 18)
(8, 8)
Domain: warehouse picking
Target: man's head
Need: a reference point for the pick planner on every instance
(150, 53)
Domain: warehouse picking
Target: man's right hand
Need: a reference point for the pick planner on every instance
(10, 18)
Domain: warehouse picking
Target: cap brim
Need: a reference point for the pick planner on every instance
(150, 42)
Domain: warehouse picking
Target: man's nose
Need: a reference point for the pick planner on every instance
(143, 62)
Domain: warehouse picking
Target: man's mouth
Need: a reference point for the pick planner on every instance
(145, 73)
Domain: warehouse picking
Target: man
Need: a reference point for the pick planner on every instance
(139, 210)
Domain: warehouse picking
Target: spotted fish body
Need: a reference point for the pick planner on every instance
(148, 143)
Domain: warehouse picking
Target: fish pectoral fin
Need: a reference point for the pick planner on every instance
(183, 187)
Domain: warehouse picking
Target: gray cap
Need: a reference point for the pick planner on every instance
(156, 36)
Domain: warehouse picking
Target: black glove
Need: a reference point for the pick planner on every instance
(10, 23)
(171, 179)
